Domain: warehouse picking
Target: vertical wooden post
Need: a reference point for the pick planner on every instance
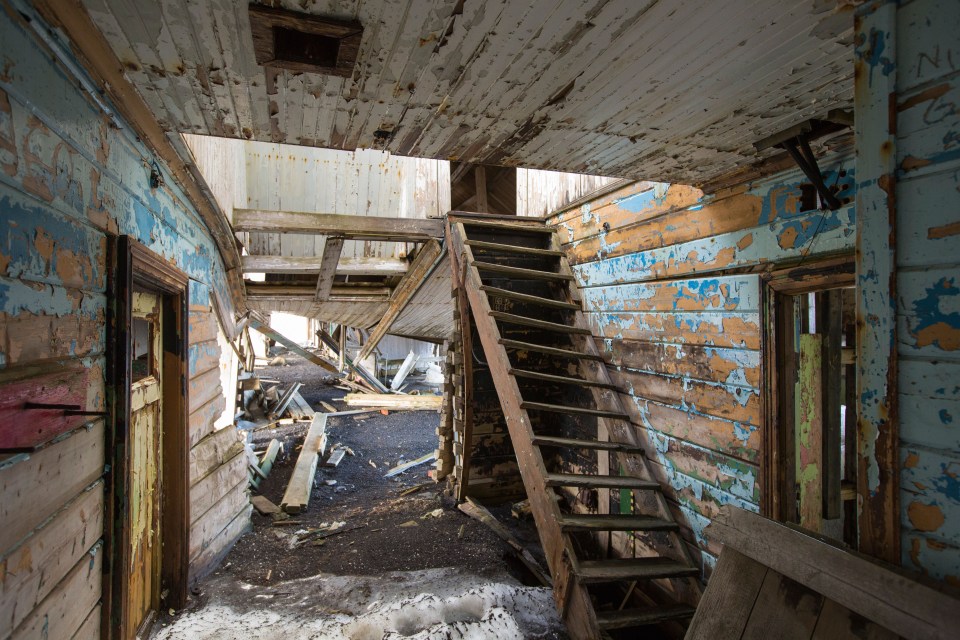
(875, 88)
(809, 431)
(829, 325)
(480, 180)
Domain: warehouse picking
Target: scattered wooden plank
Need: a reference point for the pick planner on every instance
(400, 468)
(395, 402)
(479, 513)
(293, 346)
(266, 462)
(335, 458)
(297, 496)
(263, 506)
(300, 408)
(329, 407)
(403, 293)
(404, 370)
(285, 399)
(328, 340)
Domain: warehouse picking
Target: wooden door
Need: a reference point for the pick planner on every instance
(144, 494)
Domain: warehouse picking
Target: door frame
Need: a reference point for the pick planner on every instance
(830, 273)
(134, 264)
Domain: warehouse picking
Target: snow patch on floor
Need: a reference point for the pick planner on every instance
(418, 605)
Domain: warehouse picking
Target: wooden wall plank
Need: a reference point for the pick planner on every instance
(35, 488)
(211, 452)
(29, 572)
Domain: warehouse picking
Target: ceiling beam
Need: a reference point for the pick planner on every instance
(308, 292)
(351, 227)
(310, 265)
(406, 289)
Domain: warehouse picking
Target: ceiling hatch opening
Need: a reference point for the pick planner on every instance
(303, 42)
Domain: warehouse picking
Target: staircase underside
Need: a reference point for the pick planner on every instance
(612, 545)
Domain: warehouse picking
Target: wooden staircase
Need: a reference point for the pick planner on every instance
(588, 483)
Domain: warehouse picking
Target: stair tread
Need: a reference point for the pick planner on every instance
(520, 271)
(506, 226)
(554, 441)
(600, 481)
(526, 297)
(632, 569)
(640, 617)
(554, 351)
(541, 324)
(596, 522)
(549, 377)
(512, 248)
(562, 408)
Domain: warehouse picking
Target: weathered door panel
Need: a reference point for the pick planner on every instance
(143, 578)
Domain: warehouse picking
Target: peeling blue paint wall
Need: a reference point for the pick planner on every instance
(69, 179)
(664, 279)
(909, 73)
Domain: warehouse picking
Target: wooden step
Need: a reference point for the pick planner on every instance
(549, 377)
(512, 248)
(526, 297)
(506, 226)
(520, 272)
(555, 327)
(628, 618)
(561, 408)
(552, 351)
(573, 443)
(600, 482)
(632, 569)
(592, 522)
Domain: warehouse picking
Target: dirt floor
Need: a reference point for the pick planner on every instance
(384, 533)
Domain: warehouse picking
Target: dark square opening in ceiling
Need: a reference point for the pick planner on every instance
(303, 42)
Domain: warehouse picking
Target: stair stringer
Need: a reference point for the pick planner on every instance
(573, 600)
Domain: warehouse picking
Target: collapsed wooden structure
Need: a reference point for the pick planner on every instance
(771, 327)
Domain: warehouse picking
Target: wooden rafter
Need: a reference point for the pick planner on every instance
(354, 227)
(359, 266)
(308, 292)
(402, 295)
(328, 267)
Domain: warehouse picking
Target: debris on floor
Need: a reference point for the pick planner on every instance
(435, 603)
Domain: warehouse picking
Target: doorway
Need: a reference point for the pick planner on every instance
(810, 452)
(148, 537)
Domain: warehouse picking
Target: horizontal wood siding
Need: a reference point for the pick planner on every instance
(671, 287)
(928, 285)
(68, 180)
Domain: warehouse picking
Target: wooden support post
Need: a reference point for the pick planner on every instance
(293, 346)
(466, 340)
(328, 267)
(810, 432)
(422, 264)
(830, 325)
(480, 179)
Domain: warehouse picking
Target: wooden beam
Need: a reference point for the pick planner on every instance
(328, 267)
(297, 496)
(859, 583)
(354, 227)
(293, 346)
(480, 180)
(375, 293)
(311, 265)
(394, 401)
(419, 269)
